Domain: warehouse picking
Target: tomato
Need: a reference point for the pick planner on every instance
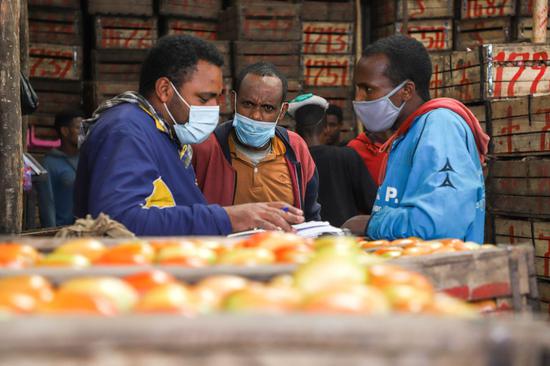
(17, 255)
(145, 281)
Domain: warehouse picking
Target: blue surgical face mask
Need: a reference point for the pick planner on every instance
(202, 122)
(380, 114)
(251, 132)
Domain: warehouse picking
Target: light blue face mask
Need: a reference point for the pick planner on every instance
(202, 122)
(251, 132)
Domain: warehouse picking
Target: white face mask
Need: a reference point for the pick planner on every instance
(202, 122)
(380, 114)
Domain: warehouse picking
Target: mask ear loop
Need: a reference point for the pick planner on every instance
(280, 110)
(179, 95)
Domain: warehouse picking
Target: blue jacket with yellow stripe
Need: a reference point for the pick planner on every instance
(131, 169)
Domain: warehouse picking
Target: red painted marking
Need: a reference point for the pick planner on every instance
(509, 129)
(512, 236)
(421, 9)
(520, 71)
(461, 292)
(490, 290)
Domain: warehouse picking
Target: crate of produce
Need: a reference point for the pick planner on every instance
(206, 9)
(124, 32)
(128, 7)
(390, 11)
(496, 71)
(327, 38)
(476, 32)
(204, 29)
(435, 35)
(284, 55)
(476, 9)
(117, 65)
(524, 29)
(60, 4)
(265, 21)
(520, 126)
(53, 61)
(339, 11)
(57, 26)
(514, 193)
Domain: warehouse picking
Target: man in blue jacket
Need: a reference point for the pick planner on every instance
(135, 158)
(432, 178)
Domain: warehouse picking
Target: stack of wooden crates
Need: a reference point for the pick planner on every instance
(55, 67)
(328, 53)
(122, 34)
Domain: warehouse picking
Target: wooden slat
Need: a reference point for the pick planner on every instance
(58, 27)
(544, 290)
(390, 11)
(522, 144)
(266, 48)
(207, 9)
(526, 7)
(542, 247)
(520, 205)
(127, 7)
(475, 32)
(474, 9)
(524, 29)
(67, 4)
(206, 30)
(514, 228)
(125, 33)
(435, 35)
(521, 186)
(328, 11)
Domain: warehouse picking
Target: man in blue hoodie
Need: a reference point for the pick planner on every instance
(432, 178)
(56, 193)
(136, 155)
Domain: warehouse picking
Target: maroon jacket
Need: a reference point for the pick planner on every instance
(216, 177)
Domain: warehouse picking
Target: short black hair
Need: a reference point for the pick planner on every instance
(176, 58)
(310, 120)
(334, 110)
(262, 69)
(409, 60)
(64, 118)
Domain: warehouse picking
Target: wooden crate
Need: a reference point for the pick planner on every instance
(54, 96)
(544, 290)
(57, 26)
(226, 99)
(117, 65)
(265, 21)
(512, 230)
(524, 29)
(441, 69)
(284, 55)
(51, 61)
(62, 4)
(476, 9)
(127, 7)
(327, 38)
(340, 96)
(521, 126)
(480, 111)
(476, 32)
(526, 7)
(496, 71)
(389, 11)
(99, 91)
(206, 9)
(327, 70)
(253, 339)
(435, 35)
(124, 32)
(204, 29)
(343, 11)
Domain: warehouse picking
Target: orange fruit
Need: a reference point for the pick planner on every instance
(145, 281)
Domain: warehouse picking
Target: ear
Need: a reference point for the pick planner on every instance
(284, 108)
(64, 131)
(408, 90)
(163, 89)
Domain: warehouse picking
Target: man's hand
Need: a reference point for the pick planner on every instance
(357, 224)
(267, 216)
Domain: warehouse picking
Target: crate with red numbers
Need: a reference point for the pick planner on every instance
(112, 32)
(495, 71)
(205, 9)
(478, 9)
(441, 68)
(117, 65)
(471, 33)
(390, 11)
(57, 26)
(434, 34)
(54, 61)
(201, 28)
(328, 37)
(133, 7)
(263, 21)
